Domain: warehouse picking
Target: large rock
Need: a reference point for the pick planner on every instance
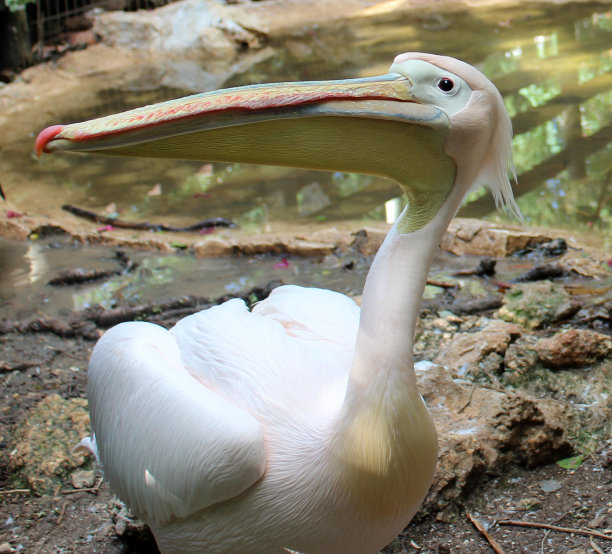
(473, 353)
(481, 431)
(473, 236)
(573, 348)
(195, 27)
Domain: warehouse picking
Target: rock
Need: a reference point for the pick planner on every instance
(126, 524)
(519, 359)
(470, 353)
(14, 229)
(606, 455)
(190, 26)
(554, 247)
(41, 455)
(318, 245)
(6, 548)
(432, 333)
(473, 236)
(368, 241)
(544, 248)
(309, 248)
(474, 305)
(573, 348)
(541, 272)
(599, 521)
(312, 198)
(83, 479)
(550, 485)
(534, 305)
(212, 247)
(529, 503)
(585, 265)
(480, 431)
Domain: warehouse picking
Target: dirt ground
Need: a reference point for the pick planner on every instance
(71, 520)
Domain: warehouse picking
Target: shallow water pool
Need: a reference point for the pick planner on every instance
(552, 63)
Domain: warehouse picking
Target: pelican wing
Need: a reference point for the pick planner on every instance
(168, 444)
(288, 358)
(313, 314)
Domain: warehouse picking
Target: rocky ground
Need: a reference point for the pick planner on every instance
(516, 375)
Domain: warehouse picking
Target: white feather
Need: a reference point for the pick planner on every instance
(188, 430)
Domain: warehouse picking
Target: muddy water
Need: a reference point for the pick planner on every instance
(27, 267)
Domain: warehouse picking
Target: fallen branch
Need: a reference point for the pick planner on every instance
(494, 544)
(16, 491)
(18, 366)
(469, 401)
(61, 514)
(442, 284)
(87, 323)
(144, 226)
(81, 275)
(74, 327)
(541, 272)
(555, 528)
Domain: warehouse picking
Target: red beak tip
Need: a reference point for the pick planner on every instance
(45, 136)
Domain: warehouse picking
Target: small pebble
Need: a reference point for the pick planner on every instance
(530, 503)
(551, 485)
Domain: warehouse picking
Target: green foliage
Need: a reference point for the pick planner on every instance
(536, 145)
(348, 184)
(541, 93)
(571, 463)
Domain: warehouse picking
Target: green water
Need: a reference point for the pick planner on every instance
(552, 63)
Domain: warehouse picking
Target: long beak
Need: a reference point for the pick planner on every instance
(373, 125)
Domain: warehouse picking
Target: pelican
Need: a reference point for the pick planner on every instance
(295, 426)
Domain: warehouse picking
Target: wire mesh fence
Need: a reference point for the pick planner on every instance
(31, 32)
(52, 18)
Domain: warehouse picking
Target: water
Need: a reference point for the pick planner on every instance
(26, 267)
(552, 63)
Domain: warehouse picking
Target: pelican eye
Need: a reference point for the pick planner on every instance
(446, 85)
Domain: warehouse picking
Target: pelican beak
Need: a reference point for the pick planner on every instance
(372, 125)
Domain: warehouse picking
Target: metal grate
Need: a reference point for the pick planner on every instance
(53, 18)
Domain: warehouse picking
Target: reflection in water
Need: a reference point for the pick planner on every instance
(26, 267)
(553, 65)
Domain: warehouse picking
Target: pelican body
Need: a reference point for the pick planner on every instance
(297, 426)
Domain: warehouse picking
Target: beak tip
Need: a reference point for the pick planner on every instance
(45, 136)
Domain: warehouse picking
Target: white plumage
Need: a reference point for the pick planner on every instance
(297, 426)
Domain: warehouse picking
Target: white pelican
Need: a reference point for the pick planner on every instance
(297, 426)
